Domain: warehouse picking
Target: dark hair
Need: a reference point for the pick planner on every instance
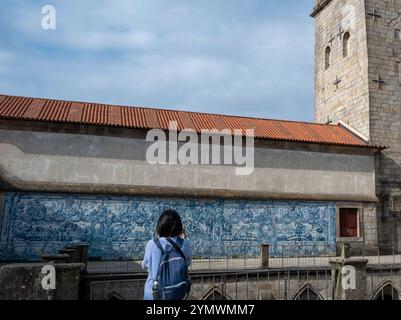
(169, 224)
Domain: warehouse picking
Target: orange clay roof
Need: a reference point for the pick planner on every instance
(49, 110)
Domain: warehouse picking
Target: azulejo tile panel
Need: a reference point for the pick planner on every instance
(117, 227)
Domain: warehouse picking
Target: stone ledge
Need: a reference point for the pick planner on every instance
(319, 7)
(29, 186)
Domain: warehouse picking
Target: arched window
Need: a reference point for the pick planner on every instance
(307, 293)
(346, 44)
(214, 294)
(327, 58)
(387, 292)
(114, 296)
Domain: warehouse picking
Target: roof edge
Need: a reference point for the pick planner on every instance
(353, 130)
(170, 109)
(356, 142)
(360, 135)
(259, 138)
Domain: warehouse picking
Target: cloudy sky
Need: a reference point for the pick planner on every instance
(243, 57)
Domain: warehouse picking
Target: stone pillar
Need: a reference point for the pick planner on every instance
(77, 253)
(343, 249)
(56, 258)
(341, 268)
(264, 255)
(71, 253)
(84, 252)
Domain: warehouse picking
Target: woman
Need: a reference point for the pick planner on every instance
(169, 227)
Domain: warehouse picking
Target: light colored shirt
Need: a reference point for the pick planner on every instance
(152, 258)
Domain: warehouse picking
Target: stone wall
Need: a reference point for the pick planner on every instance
(24, 282)
(258, 285)
(369, 94)
(346, 99)
(118, 227)
(384, 49)
(369, 227)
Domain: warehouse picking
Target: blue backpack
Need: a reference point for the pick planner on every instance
(172, 282)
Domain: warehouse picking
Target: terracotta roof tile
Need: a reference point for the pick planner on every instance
(167, 116)
(75, 112)
(24, 108)
(115, 115)
(219, 122)
(202, 121)
(54, 110)
(15, 106)
(186, 120)
(34, 109)
(149, 117)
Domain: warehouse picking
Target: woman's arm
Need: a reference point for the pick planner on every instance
(155, 257)
(146, 258)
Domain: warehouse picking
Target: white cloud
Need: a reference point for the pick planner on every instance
(130, 40)
(242, 57)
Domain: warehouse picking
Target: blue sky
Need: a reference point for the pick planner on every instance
(243, 57)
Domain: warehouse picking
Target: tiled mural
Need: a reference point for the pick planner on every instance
(118, 227)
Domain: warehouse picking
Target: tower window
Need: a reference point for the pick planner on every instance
(346, 44)
(327, 58)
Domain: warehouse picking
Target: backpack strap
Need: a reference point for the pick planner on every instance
(158, 244)
(177, 248)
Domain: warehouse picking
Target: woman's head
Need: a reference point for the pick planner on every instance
(169, 224)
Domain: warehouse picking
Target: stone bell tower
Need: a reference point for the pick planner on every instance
(358, 81)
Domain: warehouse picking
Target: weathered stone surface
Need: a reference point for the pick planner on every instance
(264, 255)
(264, 285)
(359, 292)
(349, 100)
(369, 94)
(24, 282)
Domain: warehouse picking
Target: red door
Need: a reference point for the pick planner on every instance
(348, 222)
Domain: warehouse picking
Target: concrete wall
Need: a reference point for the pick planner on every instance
(119, 227)
(71, 162)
